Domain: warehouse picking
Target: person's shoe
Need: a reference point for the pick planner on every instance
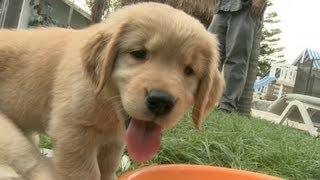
(224, 110)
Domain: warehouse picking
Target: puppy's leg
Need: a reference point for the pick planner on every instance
(18, 152)
(34, 138)
(75, 152)
(109, 158)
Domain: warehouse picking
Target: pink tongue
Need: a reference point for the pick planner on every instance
(143, 140)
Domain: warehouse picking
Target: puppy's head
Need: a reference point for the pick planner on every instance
(161, 61)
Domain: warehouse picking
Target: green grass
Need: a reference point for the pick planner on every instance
(45, 142)
(242, 143)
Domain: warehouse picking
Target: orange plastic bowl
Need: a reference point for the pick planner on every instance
(192, 172)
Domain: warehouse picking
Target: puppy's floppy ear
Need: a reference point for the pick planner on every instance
(209, 92)
(99, 54)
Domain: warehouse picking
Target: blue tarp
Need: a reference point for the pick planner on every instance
(263, 82)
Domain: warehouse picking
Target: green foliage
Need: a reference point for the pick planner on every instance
(89, 3)
(271, 18)
(270, 51)
(111, 5)
(39, 17)
(45, 141)
(263, 67)
(114, 4)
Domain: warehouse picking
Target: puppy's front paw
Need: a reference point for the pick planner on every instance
(41, 171)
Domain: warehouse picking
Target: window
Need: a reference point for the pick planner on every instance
(10, 13)
(3, 11)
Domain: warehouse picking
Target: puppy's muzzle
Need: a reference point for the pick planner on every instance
(159, 102)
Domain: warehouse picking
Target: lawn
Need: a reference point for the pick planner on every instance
(242, 143)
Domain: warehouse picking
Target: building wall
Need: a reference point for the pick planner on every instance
(24, 15)
(13, 14)
(302, 86)
(273, 90)
(19, 12)
(78, 21)
(285, 73)
(60, 12)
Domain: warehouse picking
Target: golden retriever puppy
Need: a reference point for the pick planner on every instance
(147, 64)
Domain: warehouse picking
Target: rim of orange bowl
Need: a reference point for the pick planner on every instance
(163, 166)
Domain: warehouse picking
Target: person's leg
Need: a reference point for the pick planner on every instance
(244, 104)
(218, 27)
(239, 39)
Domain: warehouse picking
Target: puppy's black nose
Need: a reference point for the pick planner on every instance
(159, 102)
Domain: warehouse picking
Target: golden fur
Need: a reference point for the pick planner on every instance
(77, 84)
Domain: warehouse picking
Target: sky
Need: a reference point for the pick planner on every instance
(299, 22)
(300, 25)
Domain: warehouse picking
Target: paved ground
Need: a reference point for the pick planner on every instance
(274, 118)
(7, 173)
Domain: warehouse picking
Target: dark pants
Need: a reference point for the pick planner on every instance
(235, 32)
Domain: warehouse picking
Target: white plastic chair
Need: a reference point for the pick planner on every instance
(297, 107)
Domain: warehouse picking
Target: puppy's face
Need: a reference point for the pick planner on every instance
(161, 63)
(157, 75)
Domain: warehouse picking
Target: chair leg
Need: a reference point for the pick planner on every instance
(306, 119)
(286, 113)
(313, 131)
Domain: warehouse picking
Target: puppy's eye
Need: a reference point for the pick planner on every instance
(188, 71)
(139, 54)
